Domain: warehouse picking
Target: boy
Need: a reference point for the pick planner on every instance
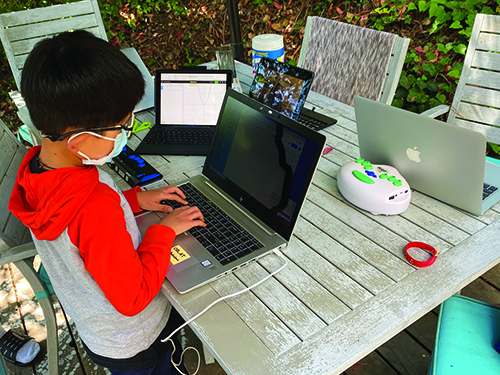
(80, 92)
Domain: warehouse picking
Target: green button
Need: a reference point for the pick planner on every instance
(363, 177)
(360, 161)
(397, 183)
(392, 178)
(383, 176)
(368, 166)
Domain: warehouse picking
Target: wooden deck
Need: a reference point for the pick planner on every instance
(407, 353)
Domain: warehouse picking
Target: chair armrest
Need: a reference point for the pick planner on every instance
(436, 111)
(16, 253)
(24, 116)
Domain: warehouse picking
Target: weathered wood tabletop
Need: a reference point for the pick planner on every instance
(347, 287)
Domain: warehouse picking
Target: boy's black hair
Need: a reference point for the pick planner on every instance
(76, 80)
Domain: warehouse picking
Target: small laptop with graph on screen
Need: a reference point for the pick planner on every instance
(252, 188)
(187, 106)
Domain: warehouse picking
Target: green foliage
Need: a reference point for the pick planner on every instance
(196, 60)
(389, 12)
(454, 14)
(297, 26)
(259, 3)
(451, 25)
(418, 90)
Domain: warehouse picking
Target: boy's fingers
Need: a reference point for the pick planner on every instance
(174, 190)
(175, 197)
(167, 209)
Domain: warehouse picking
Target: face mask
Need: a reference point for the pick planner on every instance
(120, 142)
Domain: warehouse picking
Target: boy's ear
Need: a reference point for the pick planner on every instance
(74, 145)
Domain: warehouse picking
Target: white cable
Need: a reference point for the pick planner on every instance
(277, 252)
(176, 365)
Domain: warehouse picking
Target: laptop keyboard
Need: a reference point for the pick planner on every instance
(488, 190)
(226, 240)
(167, 135)
(312, 123)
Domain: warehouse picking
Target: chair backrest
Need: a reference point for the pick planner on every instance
(12, 152)
(20, 31)
(350, 60)
(477, 98)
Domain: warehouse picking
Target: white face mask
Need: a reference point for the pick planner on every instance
(120, 142)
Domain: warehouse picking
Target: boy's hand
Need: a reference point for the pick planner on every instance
(150, 200)
(183, 219)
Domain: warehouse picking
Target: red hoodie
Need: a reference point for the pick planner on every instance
(75, 199)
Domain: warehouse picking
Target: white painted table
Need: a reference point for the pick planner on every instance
(347, 288)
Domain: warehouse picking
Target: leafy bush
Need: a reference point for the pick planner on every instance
(441, 33)
(432, 71)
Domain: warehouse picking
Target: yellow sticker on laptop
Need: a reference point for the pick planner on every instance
(178, 254)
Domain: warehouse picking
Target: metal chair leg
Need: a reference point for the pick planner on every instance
(25, 266)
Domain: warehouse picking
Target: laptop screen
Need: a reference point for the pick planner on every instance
(263, 160)
(281, 86)
(190, 98)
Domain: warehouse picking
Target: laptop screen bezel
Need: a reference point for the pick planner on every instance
(247, 200)
(158, 73)
(294, 71)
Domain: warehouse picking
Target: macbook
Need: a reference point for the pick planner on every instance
(187, 105)
(439, 159)
(254, 181)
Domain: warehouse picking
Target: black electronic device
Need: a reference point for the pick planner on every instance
(284, 87)
(134, 169)
(315, 120)
(187, 106)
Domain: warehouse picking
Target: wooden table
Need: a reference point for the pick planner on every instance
(347, 287)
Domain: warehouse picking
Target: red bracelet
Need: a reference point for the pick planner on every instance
(422, 246)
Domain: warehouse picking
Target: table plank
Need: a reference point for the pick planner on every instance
(354, 266)
(347, 123)
(388, 263)
(221, 331)
(306, 289)
(329, 276)
(296, 315)
(435, 225)
(396, 223)
(332, 140)
(353, 218)
(447, 213)
(268, 327)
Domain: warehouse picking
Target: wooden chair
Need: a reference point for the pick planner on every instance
(20, 31)
(477, 100)
(351, 60)
(16, 245)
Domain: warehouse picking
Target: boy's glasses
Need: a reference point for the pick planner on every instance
(128, 126)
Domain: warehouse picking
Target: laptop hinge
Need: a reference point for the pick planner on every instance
(216, 189)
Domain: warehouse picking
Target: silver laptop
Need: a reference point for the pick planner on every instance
(258, 171)
(442, 160)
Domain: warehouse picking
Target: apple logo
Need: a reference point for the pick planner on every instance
(413, 154)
